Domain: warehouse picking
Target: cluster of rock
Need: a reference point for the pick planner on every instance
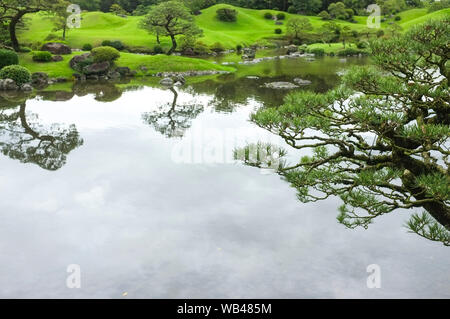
(57, 49)
(11, 85)
(287, 85)
(39, 80)
(248, 54)
(178, 78)
(173, 80)
(99, 71)
(293, 51)
(308, 57)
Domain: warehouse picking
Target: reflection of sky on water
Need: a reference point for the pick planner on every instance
(136, 221)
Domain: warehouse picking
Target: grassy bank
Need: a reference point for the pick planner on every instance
(249, 28)
(154, 64)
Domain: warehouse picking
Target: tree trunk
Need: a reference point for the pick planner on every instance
(12, 30)
(174, 45)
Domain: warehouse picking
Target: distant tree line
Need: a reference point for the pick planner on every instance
(311, 7)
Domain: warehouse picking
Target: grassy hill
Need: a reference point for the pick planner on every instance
(413, 17)
(249, 28)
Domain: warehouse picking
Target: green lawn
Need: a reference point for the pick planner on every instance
(248, 29)
(155, 63)
(412, 19)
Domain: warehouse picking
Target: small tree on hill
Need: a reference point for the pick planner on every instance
(227, 14)
(296, 27)
(170, 19)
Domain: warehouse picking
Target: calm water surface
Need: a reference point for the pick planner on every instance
(136, 185)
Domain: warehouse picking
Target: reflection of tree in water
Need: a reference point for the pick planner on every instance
(173, 120)
(23, 138)
(230, 92)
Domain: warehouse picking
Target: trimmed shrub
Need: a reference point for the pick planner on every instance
(17, 73)
(87, 47)
(281, 16)
(362, 45)
(397, 18)
(217, 47)
(278, 31)
(186, 43)
(25, 50)
(239, 48)
(324, 15)
(157, 49)
(268, 16)
(8, 57)
(114, 44)
(53, 37)
(201, 48)
(82, 64)
(350, 52)
(227, 15)
(140, 50)
(292, 10)
(102, 54)
(317, 51)
(303, 48)
(42, 56)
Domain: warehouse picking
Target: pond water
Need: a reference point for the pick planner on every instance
(137, 185)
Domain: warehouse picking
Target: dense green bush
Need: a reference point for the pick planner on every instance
(186, 43)
(397, 18)
(268, 16)
(303, 48)
(140, 50)
(8, 57)
(157, 49)
(292, 10)
(25, 50)
(317, 51)
(201, 48)
(350, 52)
(278, 31)
(42, 56)
(53, 37)
(87, 47)
(115, 44)
(217, 47)
(82, 64)
(227, 15)
(281, 16)
(106, 53)
(362, 45)
(239, 47)
(17, 73)
(324, 15)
